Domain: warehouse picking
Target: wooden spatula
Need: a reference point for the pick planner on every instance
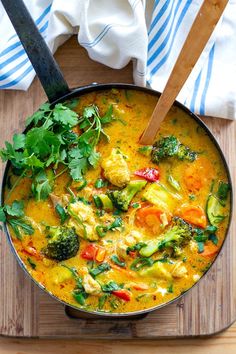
(201, 30)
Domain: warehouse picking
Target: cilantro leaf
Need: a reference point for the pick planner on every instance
(16, 209)
(89, 111)
(39, 115)
(41, 142)
(18, 141)
(33, 161)
(76, 153)
(77, 168)
(42, 186)
(94, 158)
(2, 215)
(5, 153)
(64, 116)
(20, 227)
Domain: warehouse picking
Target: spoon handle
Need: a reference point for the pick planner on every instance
(201, 30)
(37, 50)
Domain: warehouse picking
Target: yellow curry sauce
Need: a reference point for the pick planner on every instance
(186, 187)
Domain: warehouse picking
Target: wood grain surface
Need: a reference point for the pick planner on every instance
(26, 311)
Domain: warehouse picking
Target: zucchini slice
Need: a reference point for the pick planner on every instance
(215, 211)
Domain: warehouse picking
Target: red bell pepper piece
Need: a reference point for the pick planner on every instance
(89, 252)
(122, 294)
(150, 174)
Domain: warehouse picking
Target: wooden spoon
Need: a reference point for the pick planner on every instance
(201, 30)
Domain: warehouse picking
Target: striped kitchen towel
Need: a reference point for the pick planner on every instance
(150, 33)
(113, 32)
(211, 87)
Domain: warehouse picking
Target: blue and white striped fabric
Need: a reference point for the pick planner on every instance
(211, 87)
(16, 71)
(109, 30)
(150, 33)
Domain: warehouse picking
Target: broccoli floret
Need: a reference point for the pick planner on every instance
(185, 153)
(177, 236)
(63, 243)
(122, 198)
(170, 146)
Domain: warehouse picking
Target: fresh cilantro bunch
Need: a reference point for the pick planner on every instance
(15, 216)
(50, 141)
(84, 154)
(43, 144)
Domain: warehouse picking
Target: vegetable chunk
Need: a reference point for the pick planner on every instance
(176, 236)
(83, 220)
(116, 169)
(170, 146)
(122, 198)
(63, 243)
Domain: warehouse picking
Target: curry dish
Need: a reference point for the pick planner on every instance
(104, 223)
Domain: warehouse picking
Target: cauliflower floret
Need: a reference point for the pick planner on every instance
(130, 239)
(136, 235)
(116, 169)
(86, 214)
(179, 270)
(91, 286)
(193, 246)
(121, 248)
(196, 277)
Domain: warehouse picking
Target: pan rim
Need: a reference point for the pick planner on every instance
(102, 87)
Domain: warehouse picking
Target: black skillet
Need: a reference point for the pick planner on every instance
(57, 91)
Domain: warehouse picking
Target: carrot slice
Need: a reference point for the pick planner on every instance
(194, 215)
(140, 286)
(149, 216)
(197, 174)
(209, 250)
(128, 273)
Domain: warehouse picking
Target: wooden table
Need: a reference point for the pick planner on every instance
(222, 343)
(76, 76)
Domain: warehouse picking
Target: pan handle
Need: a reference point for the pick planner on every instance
(37, 50)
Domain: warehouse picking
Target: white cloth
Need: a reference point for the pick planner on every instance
(211, 87)
(115, 32)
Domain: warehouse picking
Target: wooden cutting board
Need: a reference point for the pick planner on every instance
(26, 311)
